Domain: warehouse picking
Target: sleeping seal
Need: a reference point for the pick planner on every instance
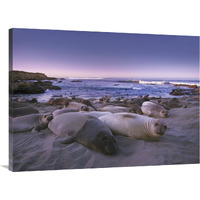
(154, 110)
(16, 112)
(33, 123)
(98, 114)
(84, 129)
(115, 109)
(65, 110)
(62, 101)
(79, 106)
(134, 125)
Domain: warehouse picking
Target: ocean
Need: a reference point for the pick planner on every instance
(113, 87)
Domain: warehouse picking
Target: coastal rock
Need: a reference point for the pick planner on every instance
(54, 87)
(179, 92)
(48, 85)
(129, 81)
(185, 85)
(33, 100)
(21, 75)
(25, 88)
(76, 81)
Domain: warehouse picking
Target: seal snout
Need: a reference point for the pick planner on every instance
(165, 113)
(163, 129)
(108, 145)
(160, 128)
(111, 147)
(49, 117)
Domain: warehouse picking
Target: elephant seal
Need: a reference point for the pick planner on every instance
(16, 112)
(154, 110)
(59, 101)
(79, 106)
(84, 129)
(115, 109)
(98, 114)
(134, 125)
(65, 110)
(33, 123)
(88, 103)
(135, 108)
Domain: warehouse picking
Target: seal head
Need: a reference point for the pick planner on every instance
(158, 127)
(164, 113)
(44, 120)
(105, 143)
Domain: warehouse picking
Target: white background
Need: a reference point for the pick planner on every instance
(144, 16)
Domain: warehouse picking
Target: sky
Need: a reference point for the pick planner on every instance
(99, 54)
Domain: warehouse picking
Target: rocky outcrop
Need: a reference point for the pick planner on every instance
(129, 81)
(186, 85)
(21, 75)
(180, 92)
(48, 85)
(20, 83)
(26, 87)
(76, 81)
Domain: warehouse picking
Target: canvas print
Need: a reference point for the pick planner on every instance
(83, 99)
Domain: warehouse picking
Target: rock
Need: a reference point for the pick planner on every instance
(54, 87)
(173, 103)
(22, 100)
(129, 81)
(138, 101)
(185, 85)
(180, 92)
(48, 85)
(25, 88)
(34, 100)
(57, 96)
(117, 99)
(21, 75)
(76, 81)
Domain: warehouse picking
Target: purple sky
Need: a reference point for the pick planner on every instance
(97, 54)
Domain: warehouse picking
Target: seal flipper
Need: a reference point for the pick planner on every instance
(35, 130)
(65, 140)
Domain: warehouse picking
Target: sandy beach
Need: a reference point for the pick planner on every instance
(179, 145)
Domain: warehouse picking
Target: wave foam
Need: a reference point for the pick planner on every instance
(154, 82)
(85, 78)
(184, 83)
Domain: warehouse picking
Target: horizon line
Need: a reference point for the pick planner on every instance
(97, 77)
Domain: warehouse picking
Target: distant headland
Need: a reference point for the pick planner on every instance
(15, 75)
